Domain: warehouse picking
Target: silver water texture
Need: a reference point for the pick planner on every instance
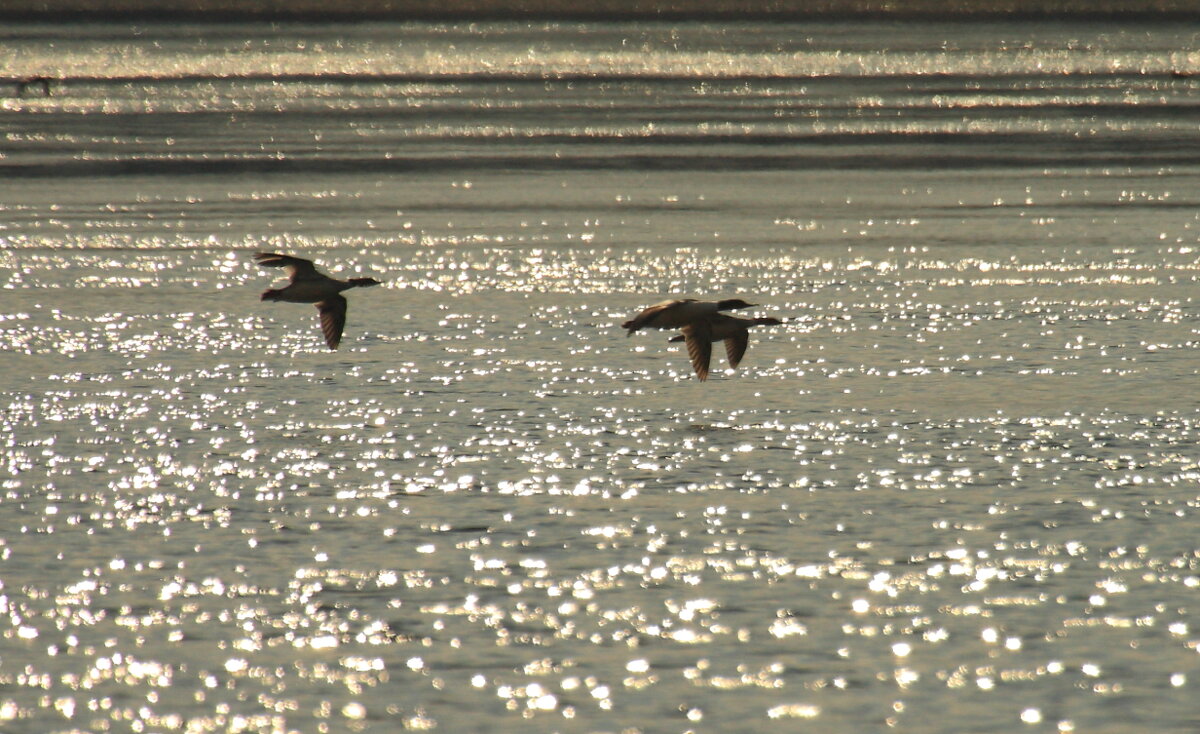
(956, 492)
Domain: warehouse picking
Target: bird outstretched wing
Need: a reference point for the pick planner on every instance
(698, 338)
(735, 346)
(296, 266)
(333, 319)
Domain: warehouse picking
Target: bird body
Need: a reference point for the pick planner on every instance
(733, 331)
(676, 314)
(308, 285)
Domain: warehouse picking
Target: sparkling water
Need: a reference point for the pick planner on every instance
(955, 492)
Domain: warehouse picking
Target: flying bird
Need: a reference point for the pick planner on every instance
(680, 313)
(310, 286)
(735, 332)
(38, 85)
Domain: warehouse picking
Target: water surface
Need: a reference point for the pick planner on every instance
(955, 492)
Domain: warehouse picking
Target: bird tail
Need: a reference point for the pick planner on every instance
(362, 282)
(270, 295)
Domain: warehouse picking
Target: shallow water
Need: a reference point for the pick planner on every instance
(954, 492)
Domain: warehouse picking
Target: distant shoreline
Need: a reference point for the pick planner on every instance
(727, 10)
